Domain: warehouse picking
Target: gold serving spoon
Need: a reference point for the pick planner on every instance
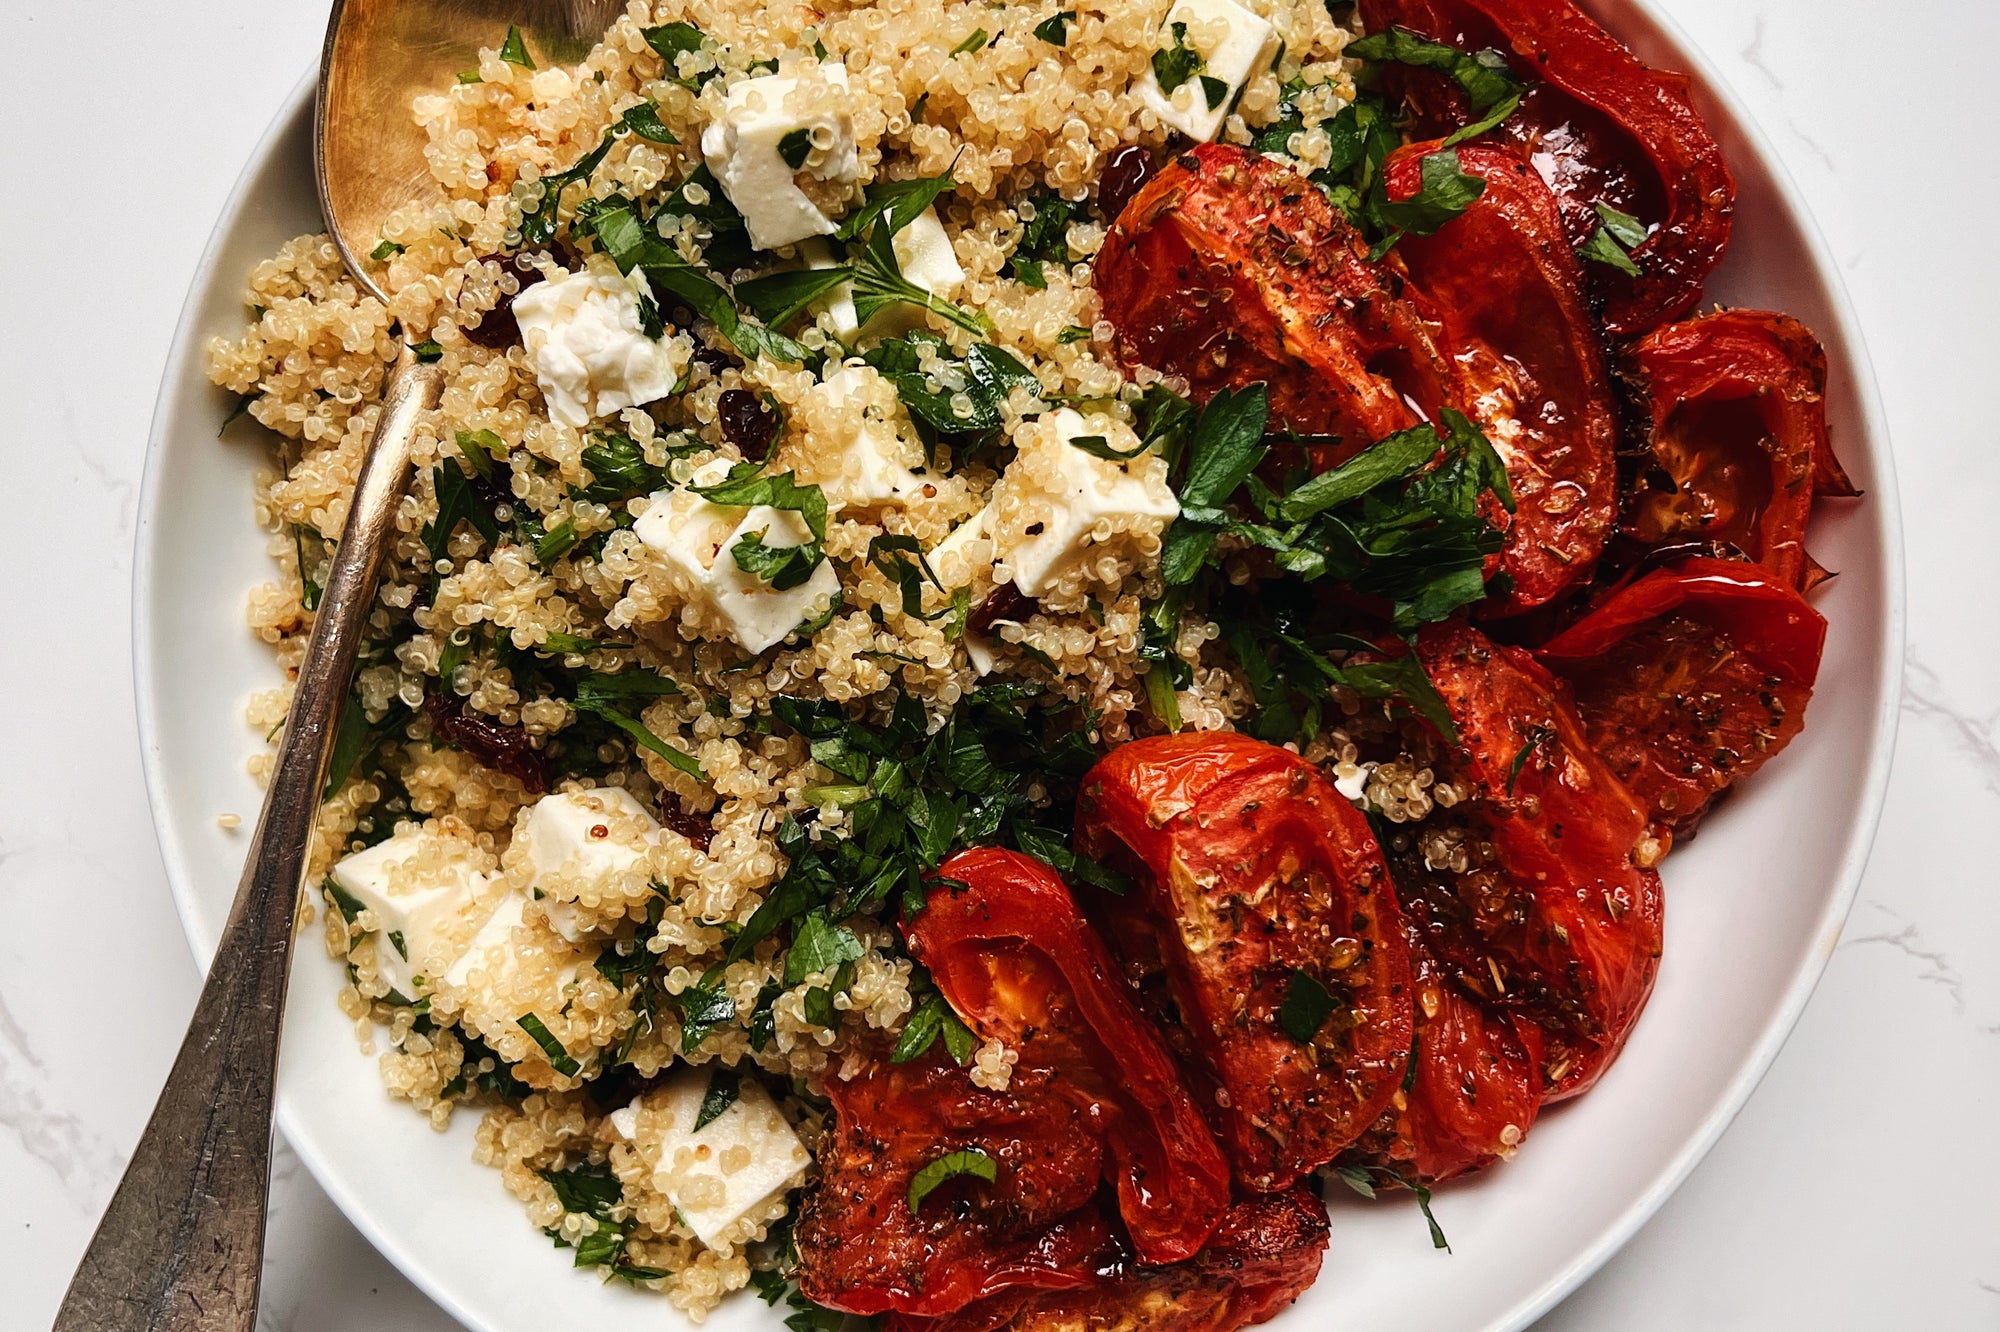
(181, 1246)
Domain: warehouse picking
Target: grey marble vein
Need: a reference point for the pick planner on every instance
(1925, 697)
(86, 1164)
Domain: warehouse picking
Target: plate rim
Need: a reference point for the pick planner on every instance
(183, 358)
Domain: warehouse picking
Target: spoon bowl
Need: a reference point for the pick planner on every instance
(380, 55)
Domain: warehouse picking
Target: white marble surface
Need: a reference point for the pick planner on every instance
(1860, 1189)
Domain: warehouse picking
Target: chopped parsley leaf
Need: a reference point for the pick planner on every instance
(965, 1161)
(515, 50)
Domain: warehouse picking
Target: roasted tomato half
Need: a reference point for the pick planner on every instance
(1690, 679)
(1229, 269)
(1264, 1255)
(1475, 1083)
(1506, 287)
(1739, 446)
(1556, 916)
(1601, 128)
(1015, 958)
(1264, 897)
(864, 1249)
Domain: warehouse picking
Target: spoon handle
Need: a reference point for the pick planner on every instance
(181, 1246)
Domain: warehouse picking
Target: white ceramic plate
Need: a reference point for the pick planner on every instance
(1754, 906)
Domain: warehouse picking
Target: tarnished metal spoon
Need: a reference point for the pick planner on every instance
(181, 1246)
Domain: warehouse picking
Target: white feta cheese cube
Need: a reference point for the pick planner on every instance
(1058, 507)
(924, 253)
(587, 344)
(492, 948)
(424, 889)
(720, 1173)
(966, 551)
(860, 459)
(588, 848)
(1228, 45)
(764, 119)
(838, 304)
(697, 540)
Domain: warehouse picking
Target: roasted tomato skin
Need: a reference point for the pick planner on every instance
(1506, 287)
(1016, 959)
(1564, 929)
(1738, 438)
(1474, 1087)
(1264, 1255)
(862, 1250)
(1250, 868)
(1691, 678)
(1229, 268)
(1602, 128)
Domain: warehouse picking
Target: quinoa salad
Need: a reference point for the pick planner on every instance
(1027, 633)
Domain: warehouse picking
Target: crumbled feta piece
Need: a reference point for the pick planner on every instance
(424, 889)
(924, 253)
(587, 344)
(1057, 505)
(1353, 784)
(864, 462)
(965, 551)
(1233, 46)
(697, 540)
(583, 847)
(718, 1174)
(838, 304)
(745, 148)
(496, 933)
(514, 965)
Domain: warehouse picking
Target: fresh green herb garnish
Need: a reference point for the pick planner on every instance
(610, 696)
(1403, 520)
(1483, 75)
(1213, 91)
(309, 588)
(703, 1008)
(555, 543)
(1097, 446)
(644, 121)
(632, 245)
(559, 1058)
(515, 51)
(1176, 63)
(618, 470)
(1617, 235)
(428, 350)
(819, 945)
(1055, 28)
(975, 42)
(1444, 191)
(1357, 1178)
(795, 148)
(747, 486)
(965, 1161)
(387, 249)
(724, 1086)
(670, 42)
(1226, 445)
(1306, 1008)
(457, 502)
(990, 377)
(931, 1019)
